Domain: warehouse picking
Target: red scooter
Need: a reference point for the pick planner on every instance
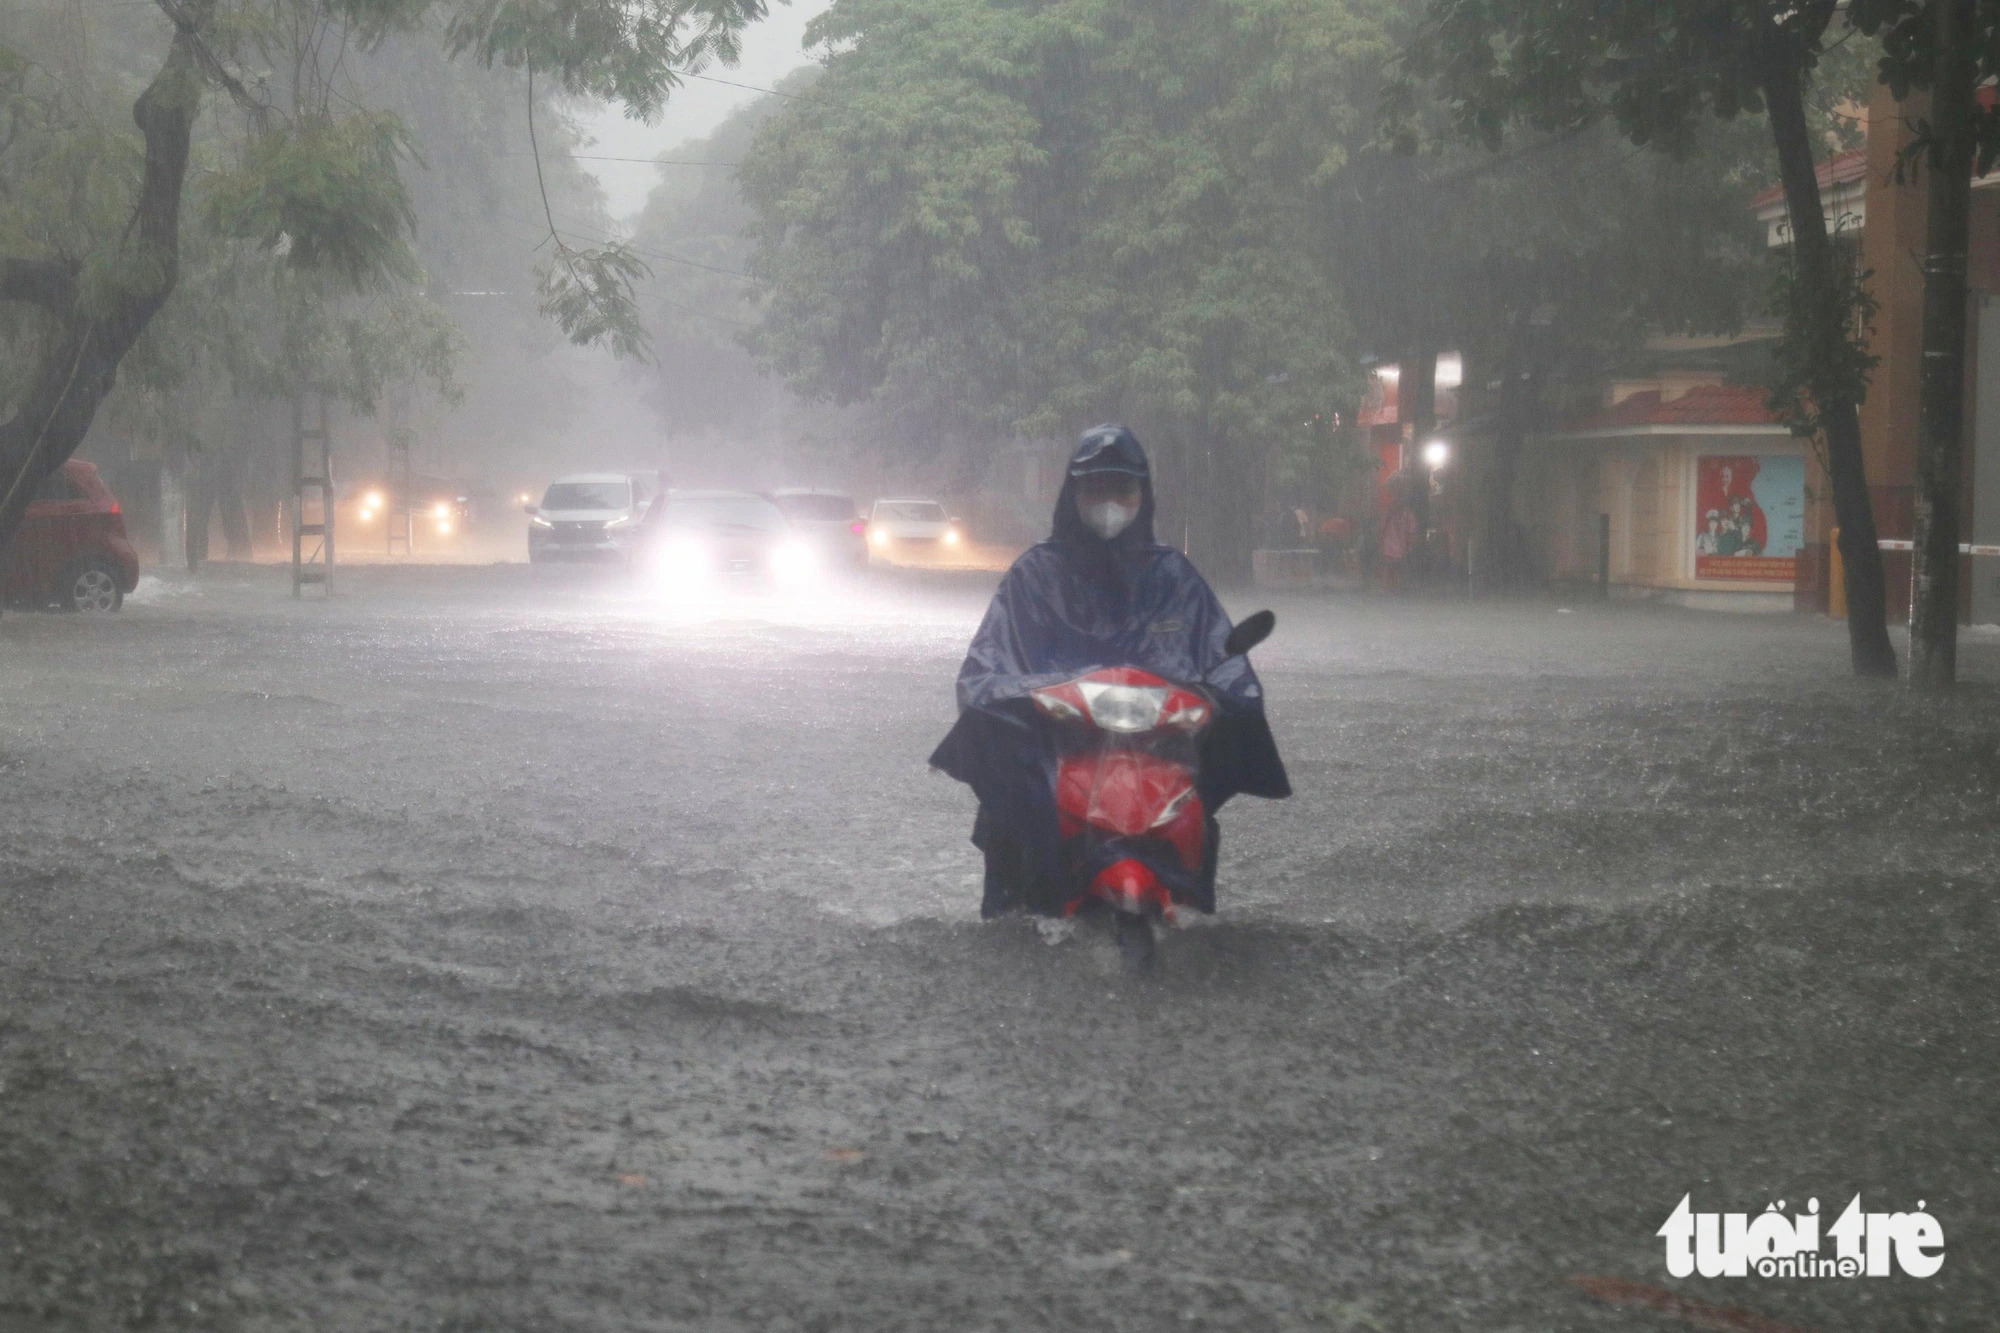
(1128, 809)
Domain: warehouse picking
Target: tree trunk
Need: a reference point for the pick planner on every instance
(1940, 449)
(235, 518)
(1222, 485)
(80, 364)
(200, 505)
(1836, 400)
(1498, 558)
(173, 511)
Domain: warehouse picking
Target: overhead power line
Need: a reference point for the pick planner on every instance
(731, 83)
(649, 161)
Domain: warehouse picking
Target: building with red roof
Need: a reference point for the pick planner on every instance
(1689, 492)
(1683, 484)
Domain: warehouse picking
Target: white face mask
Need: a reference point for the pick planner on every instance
(1108, 519)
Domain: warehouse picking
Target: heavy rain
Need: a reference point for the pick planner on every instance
(633, 696)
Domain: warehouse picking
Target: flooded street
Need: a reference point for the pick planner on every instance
(500, 948)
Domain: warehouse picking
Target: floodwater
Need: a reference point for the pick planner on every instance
(497, 948)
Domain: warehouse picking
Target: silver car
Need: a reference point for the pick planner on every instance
(913, 526)
(588, 516)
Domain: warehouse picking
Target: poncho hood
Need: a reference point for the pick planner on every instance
(1107, 448)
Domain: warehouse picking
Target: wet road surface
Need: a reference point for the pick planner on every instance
(505, 948)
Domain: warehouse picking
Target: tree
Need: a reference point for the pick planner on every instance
(694, 232)
(1023, 219)
(1950, 49)
(1546, 262)
(318, 183)
(1656, 68)
(452, 354)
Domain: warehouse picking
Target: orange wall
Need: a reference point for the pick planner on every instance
(1892, 249)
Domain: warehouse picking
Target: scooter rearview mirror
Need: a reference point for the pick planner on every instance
(1250, 631)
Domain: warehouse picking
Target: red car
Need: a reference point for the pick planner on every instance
(71, 548)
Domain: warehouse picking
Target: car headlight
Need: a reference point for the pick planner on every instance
(681, 559)
(441, 511)
(793, 562)
(539, 521)
(951, 536)
(622, 521)
(880, 536)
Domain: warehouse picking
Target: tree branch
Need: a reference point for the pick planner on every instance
(188, 21)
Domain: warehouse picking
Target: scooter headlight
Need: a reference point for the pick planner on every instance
(1127, 709)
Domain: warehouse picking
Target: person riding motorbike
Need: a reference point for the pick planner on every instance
(1100, 592)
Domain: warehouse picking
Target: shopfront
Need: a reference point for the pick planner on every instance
(1698, 498)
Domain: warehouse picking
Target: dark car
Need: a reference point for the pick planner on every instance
(692, 539)
(71, 549)
(829, 520)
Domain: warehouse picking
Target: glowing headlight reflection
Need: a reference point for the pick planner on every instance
(680, 562)
(793, 563)
(951, 536)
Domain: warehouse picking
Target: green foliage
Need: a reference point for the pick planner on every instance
(326, 194)
(66, 170)
(629, 51)
(297, 266)
(1813, 366)
(1016, 219)
(1909, 57)
(588, 293)
(1664, 72)
(1656, 67)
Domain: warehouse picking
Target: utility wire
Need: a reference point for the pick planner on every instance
(671, 259)
(591, 238)
(650, 161)
(731, 83)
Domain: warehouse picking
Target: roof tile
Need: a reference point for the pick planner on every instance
(1703, 405)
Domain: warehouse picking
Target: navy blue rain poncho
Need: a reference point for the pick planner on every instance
(1071, 605)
